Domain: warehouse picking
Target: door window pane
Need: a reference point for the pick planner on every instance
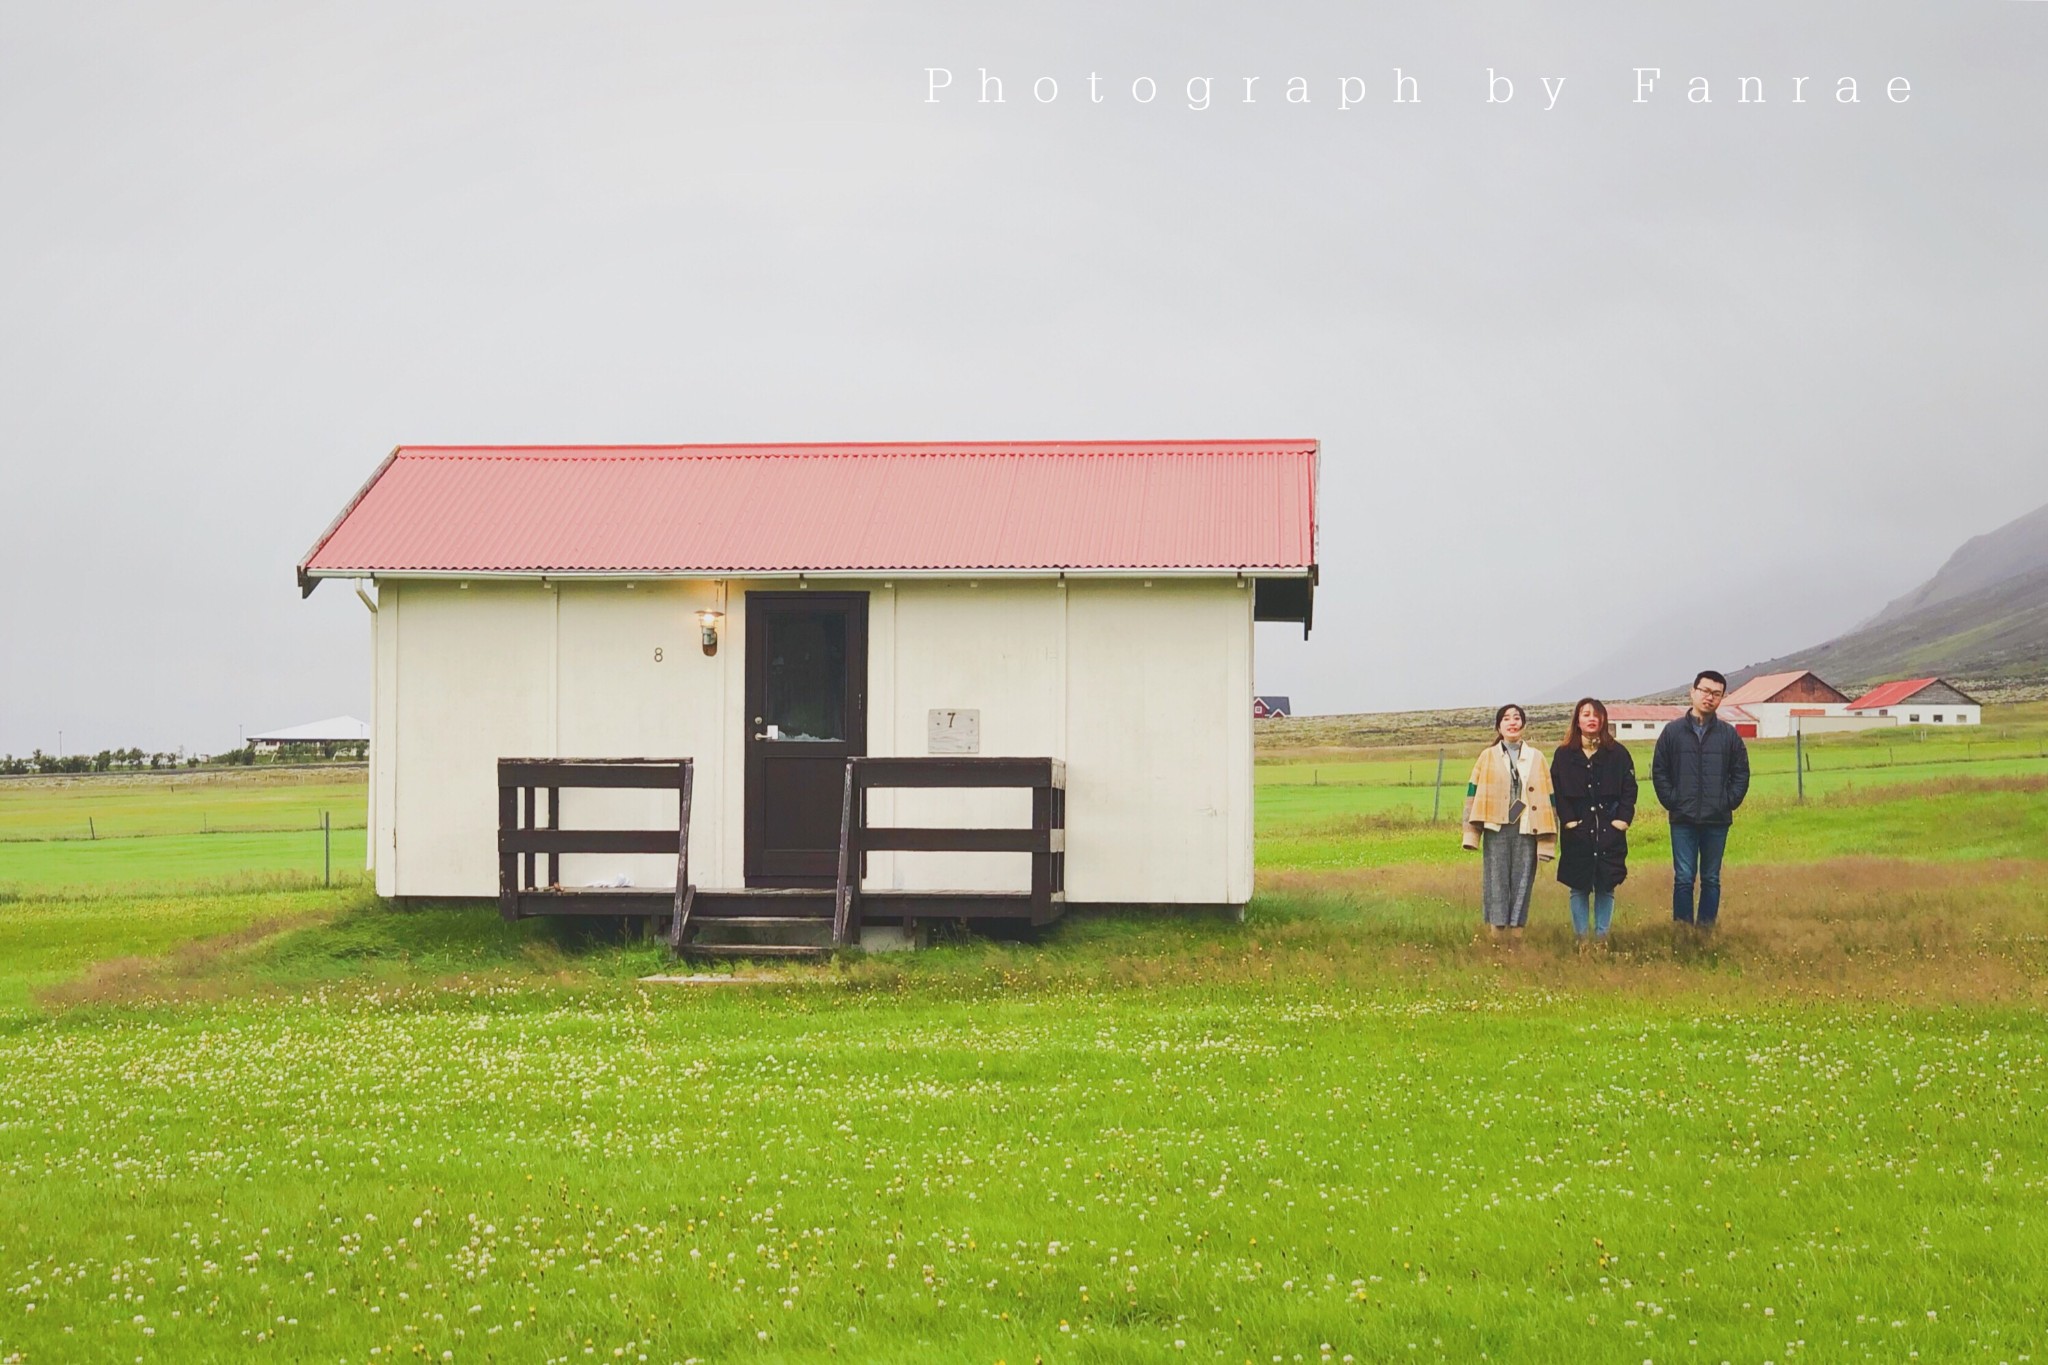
(807, 675)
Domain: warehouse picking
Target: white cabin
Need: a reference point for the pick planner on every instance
(769, 611)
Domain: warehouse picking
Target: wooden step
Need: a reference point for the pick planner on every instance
(698, 919)
(803, 903)
(696, 949)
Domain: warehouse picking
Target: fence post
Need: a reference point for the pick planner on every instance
(326, 850)
(1436, 805)
(1799, 758)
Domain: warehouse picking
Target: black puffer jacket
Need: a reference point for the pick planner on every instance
(1700, 779)
(1593, 792)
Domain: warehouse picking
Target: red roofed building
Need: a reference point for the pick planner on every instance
(770, 611)
(1633, 720)
(1919, 701)
(1784, 702)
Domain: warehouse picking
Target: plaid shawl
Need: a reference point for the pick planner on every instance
(1486, 797)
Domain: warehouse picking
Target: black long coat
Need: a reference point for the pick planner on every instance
(1592, 855)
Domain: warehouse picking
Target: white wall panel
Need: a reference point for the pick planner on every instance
(989, 645)
(617, 700)
(474, 684)
(1144, 691)
(1159, 742)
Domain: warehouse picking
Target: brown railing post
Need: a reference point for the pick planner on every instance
(508, 863)
(845, 920)
(1058, 778)
(1042, 856)
(554, 822)
(526, 822)
(686, 892)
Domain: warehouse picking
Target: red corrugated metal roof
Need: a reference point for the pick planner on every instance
(1628, 710)
(1891, 693)
(1764, 687)
(819, 508)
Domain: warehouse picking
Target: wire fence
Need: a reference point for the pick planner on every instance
(1437, 783)
(92, 829)
(173, 855)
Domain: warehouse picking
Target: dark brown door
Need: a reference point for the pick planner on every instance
(807, 671)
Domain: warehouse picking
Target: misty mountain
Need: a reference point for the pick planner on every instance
(1743, 614)
(2017, 548)
(1982, 618)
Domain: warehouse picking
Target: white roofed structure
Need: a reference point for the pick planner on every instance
(333, 730)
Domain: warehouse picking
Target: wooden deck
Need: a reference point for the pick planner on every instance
(777, 922)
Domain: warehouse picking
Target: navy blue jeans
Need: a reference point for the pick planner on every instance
(1696, 855)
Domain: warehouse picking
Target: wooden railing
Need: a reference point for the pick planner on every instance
(522, 840)
(1045, 839)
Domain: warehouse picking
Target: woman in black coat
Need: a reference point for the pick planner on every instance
(1595, 783)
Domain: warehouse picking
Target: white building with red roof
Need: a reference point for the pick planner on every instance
(771, 610)
(1800, 700)
(1919, 701)
(1639, 720)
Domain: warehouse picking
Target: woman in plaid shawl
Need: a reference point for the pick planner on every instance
(1510, 815)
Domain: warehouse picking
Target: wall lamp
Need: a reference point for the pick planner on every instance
(709, 621)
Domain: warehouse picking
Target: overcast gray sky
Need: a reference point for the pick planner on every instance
(1574, 369)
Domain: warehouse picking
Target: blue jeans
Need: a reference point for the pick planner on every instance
(1696, 854)
(1602, 911)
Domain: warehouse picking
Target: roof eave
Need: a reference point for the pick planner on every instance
(309, 579)
(1272, 571)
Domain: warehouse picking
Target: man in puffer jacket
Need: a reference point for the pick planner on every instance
(1701, 772)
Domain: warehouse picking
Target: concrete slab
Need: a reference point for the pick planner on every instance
(887, 938)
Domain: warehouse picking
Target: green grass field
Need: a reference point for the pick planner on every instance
(301, 1123)
(180, 861)
(246, 829)
(128, 806)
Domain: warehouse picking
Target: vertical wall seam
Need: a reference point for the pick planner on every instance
(1248, 788)
(732, 742)
(555, 676)
(724, 723)
(896, 746)
(397, 695)
(1065, 670)
(371, 824)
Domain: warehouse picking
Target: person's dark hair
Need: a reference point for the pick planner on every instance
(1501, 715)
(1573, 739)
(1709, 675)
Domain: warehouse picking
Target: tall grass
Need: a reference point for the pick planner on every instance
(311, 1125)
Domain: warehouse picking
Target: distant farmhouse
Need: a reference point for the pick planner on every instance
(1799, 700)
(336, 736)
(1779, 705)
(1270, 708)
(1633, 721)
(1919, 701)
